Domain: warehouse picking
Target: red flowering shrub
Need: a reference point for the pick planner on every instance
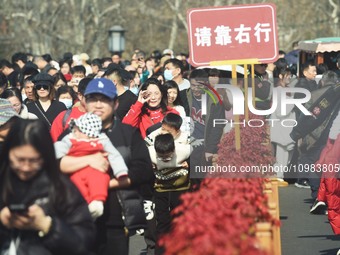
(219, 218)
(255, 150)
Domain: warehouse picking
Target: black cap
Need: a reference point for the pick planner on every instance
(43, 79)
(126, 76)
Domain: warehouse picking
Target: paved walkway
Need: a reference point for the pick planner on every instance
(303, 233)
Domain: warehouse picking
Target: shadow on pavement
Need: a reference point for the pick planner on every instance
(329, 237)
(308, 201)
(329, 252)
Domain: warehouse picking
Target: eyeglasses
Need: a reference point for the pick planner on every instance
(96, 98)
(44, 87)
(165, 157)
(197, 84)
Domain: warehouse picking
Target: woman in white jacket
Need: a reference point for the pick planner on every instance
(281, 128)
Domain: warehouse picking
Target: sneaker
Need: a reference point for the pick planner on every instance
(302, 184)
(318, 207)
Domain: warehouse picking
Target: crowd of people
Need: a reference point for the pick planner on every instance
(93, 152)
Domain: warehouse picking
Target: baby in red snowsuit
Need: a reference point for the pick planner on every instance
(86, 138)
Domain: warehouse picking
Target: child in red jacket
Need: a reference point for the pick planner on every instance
(86, 138)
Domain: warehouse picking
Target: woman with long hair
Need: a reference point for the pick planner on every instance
(41, 211)
(174, 100)
(59, 81)
(282, 144)
(150, 108)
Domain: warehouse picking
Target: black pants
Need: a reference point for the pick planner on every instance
(197, 160)
(309, 158)
(113, 242)
(150, 232)
(165, 202)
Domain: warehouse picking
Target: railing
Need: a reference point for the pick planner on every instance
(268, 234)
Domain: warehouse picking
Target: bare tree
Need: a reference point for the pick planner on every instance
(81, 25)
(54, 27)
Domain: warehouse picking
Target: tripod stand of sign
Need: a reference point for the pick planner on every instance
(233, 35)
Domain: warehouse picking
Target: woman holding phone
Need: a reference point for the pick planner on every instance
(41, 211)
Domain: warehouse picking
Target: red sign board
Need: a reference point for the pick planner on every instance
(237, 32)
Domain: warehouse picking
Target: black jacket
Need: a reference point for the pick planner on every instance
(314, 129)
(304, 83)
(212, 133)
(72, 231)
(52, 112)
(131, 146)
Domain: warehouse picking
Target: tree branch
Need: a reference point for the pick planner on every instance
(179, 15)
(112, 7)
(335, 10)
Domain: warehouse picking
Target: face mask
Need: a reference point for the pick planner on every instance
(23, 96)
(134, 90)
(67, 102)
(168, 75)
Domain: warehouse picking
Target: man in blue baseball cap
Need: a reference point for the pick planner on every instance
(123, 196)
(101, 99)
(102, 86)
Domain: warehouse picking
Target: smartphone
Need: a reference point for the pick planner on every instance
(18, 208)
(146, 94)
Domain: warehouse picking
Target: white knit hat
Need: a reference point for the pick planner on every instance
(89, 124)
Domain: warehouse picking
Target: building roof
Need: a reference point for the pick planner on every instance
(326, 44)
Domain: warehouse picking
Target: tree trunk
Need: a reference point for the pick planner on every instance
(174, 26)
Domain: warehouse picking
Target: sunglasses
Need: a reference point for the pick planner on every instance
(44, 87)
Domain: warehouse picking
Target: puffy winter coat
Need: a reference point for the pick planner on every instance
(72, 230)
(329, 190)
(136, 119)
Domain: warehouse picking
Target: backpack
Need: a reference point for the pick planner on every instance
(64, 120)
(66, 115)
